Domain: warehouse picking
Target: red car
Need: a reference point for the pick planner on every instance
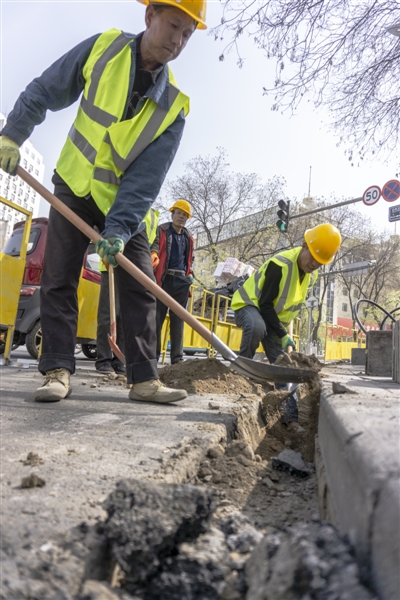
(27, 325)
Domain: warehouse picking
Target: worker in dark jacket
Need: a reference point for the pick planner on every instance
(172, 258)
(124, 138)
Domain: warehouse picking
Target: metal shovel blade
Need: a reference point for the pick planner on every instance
(262, 372)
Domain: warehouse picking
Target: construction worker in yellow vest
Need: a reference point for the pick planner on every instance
(271, 298)
(124, 138)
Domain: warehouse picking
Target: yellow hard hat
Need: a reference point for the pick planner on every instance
(194, 8)
(323, 241)
(182, 205)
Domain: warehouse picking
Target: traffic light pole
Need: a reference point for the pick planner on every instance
(321, 209)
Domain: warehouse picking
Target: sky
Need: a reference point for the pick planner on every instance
(228, 109)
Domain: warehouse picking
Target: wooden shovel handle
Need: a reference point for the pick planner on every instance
(113, 318)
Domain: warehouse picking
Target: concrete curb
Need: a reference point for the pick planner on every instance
(359, 444)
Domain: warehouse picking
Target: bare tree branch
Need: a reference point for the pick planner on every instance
(337, 53)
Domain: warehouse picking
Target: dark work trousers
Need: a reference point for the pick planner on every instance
(64, 254)
(104, 353)
(255, 331)
(176, 286)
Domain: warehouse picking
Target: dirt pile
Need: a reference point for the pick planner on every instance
(209, 376)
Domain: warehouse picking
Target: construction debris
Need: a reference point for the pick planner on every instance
(292, 462)
(32, 481)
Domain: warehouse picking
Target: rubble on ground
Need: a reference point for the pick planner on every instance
(240, 530)
(159, 541)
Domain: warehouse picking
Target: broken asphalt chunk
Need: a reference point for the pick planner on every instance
(292, 462)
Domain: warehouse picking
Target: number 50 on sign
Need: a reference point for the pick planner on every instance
(371, 195)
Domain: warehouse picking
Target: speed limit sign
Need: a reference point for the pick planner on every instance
(371, 195)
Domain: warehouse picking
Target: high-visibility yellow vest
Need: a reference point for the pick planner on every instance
(292, 293)
(151, 224)
(100, 147)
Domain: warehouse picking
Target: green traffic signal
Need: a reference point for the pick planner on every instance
(283, 215)
(281, 225)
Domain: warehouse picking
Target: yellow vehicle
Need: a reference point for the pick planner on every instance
(20, 290)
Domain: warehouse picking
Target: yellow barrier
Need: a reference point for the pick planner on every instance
(340, 340)
(11, 277)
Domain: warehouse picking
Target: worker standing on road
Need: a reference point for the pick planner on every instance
(126, 133)
(172, 257)
(272, 297)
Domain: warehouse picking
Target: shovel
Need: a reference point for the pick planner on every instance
(112, 336)
(259, 372)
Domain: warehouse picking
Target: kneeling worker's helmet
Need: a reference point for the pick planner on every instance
(182, 205)
(323, 241)
(194, 8)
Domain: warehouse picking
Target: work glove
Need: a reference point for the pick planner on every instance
(107, 249)
(155, 261)
(191, 279)
(287, 341)
(9, 155)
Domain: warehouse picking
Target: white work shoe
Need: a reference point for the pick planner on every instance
(155, 391)
(55, 386)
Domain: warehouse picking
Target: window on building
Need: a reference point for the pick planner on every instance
(355, 294)
(344, 292)
(38, 161)
(25, 205)
(25, 163)
(34, 194)
(26, 150)
(32, 155)
(344, 307)
(26, 196)
(14, 187)
(36, 172)
(30, 169)
(20, 192)
(13, 197)
(1, 176)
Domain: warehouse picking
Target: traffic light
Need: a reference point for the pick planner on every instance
(283, 214)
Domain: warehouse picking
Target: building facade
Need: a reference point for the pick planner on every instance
(16, 190)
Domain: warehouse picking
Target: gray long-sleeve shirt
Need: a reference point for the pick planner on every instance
(60, 86)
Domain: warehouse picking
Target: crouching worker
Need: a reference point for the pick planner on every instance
(272, 297)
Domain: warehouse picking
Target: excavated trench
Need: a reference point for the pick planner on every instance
(240, 523)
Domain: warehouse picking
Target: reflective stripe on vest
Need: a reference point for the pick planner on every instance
(100, 147)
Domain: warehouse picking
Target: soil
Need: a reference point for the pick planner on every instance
(242, 473)
(207, 376)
